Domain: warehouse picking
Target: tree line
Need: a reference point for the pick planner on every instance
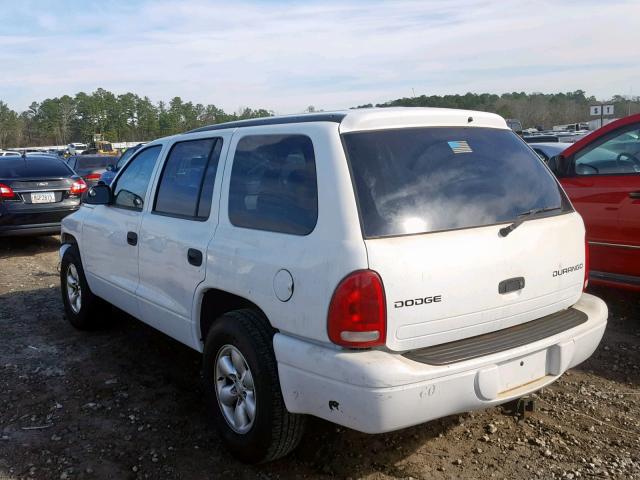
(120, 118)
(532, 109)
(129, 117)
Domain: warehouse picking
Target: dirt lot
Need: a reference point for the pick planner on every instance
(126, 403)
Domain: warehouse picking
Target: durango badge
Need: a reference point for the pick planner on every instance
(575, 268)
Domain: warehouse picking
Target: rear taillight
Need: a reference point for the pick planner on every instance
(92, 176)
(6, 192)
(77, 187)
(357, 313)
(586, 265)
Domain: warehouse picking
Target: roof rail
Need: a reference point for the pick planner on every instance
(283, 120)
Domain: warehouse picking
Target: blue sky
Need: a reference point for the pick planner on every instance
(286, 55)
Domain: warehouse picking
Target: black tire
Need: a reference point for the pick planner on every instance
(275, 432)
(91, 312)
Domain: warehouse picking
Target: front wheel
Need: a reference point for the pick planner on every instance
(243, 389)
(81, 306)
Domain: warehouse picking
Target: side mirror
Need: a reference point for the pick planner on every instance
(98, 195)
(110, 167)
(558, 165)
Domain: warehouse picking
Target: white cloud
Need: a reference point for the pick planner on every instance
(285, 56)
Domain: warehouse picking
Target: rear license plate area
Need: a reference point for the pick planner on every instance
(523, 370)
(43, 197)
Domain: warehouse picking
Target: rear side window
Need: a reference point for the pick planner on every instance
(131, 186)
(273, 184)
(41, 167)
(424, 180)
(186, 184)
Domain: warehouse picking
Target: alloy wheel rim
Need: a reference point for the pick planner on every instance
(74, 292)
(235, 390)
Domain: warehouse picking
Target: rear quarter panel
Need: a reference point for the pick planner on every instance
(244, 261)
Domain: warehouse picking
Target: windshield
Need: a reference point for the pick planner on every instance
(422, 180)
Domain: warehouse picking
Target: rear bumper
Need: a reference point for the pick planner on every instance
(19, 230)
(376, 391)
(26, 220)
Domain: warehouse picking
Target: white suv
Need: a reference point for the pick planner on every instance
(377, 268)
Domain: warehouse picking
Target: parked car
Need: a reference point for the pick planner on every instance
(515, 125)
(547, 150)
(377, 268)
(35, 194)
(537, 138)
(41, 154)
(89, 167)
(112, 169)
(76, 148)
(9, 153)
(601, 175)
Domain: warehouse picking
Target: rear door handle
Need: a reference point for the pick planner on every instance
(132, 238)
(194, 257)
(634, 194)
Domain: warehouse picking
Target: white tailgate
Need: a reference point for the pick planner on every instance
(464, 268)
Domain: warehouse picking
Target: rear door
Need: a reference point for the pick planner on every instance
(432, 202)
(110, 234)
(175, 233)
(604, 186)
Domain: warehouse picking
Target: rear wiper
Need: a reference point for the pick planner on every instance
(524, 217)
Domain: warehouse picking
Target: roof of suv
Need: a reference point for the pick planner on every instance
(377, 118)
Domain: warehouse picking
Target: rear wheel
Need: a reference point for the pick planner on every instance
(243, 389)
(80, 305)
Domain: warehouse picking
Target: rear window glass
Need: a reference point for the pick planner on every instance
(273, 184)
(424, 180)
(18, 167)
(93, 162)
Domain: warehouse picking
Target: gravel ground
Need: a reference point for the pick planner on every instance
(125, 402)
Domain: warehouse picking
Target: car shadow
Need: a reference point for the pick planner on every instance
(27, 246)
(124, 393)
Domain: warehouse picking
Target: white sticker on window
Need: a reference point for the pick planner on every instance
(460, 146)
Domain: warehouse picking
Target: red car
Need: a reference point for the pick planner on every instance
(601, 174)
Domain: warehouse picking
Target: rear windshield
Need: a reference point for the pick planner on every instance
(84, 163)
(422, 180)
(32, 167)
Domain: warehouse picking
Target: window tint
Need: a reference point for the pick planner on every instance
(186, 184)
(273, 184)
(422, 180)
(617, 153)
(131, 187)
(18, 167)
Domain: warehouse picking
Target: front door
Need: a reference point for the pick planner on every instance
(110, 235)
(604, 186)
(175, 233)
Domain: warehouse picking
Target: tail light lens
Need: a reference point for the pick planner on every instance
(6, 192)
(77, 187)
(357, 313)
(586, 265)
(92, 176)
